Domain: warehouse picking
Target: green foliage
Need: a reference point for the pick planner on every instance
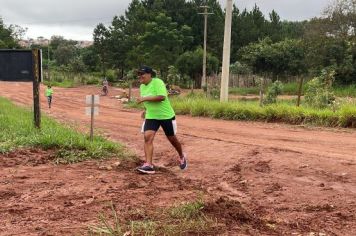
(173, 76)
(156, 33)
(131, 75)
(162, 42)
(77, 65)
(318, 92)
(286, 112)
(181, 219)
(90, 58)
(273, 91)
(240, 68)
(189, 210)
(102, 45)
(9, 35)
(70, 146)
(65, 53)
(214, 92)
(345, 91)
(190, 63)
(111, 76)
(279, 59)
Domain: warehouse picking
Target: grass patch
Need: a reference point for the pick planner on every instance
(17, 131)
(345, 91)
(286, 111)
(288, 89)
(182, 219)
(292, 89)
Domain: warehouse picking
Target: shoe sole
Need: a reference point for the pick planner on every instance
(146, 172)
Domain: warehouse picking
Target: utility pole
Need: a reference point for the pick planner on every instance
(48, 59)
(204, 82)
(224, 91)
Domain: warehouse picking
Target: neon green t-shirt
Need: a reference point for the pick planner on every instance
(49, 92)
(156, 110)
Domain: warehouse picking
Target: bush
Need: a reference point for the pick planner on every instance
(318, 92)
(273, 91)
(111, 76)
(214, 92)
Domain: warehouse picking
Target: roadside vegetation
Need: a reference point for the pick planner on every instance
(182, 219)
(70, 146)
(283, 111)
(319, 105)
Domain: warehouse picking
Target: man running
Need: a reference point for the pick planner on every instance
(158, 113)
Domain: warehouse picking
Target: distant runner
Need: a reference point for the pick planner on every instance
(159, 112)
(49, 93)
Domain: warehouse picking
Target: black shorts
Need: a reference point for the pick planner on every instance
(169, 126)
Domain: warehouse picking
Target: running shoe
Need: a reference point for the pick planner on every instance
(183, 162)
(146, 169)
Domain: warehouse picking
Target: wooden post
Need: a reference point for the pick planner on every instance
(261, 91)
(130, 90)
(36, 85)
(92, 118)
(300, 90)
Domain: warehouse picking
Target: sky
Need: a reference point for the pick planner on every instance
(76, 19)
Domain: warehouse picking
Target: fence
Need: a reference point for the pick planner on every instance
(243, 81)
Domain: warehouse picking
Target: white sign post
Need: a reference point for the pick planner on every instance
(93, 110)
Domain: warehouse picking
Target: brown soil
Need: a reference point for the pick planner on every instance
(256, 178)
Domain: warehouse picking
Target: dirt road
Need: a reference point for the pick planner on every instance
(299, 179)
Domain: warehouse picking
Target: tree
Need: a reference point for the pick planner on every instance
(119, 44)
(162, 43)
(77, 65)
(101, 43)
(275, 59)
(64, 54)
(330, 41)
(9, 36)
(90, 58)
(341, 18)
(190, 63)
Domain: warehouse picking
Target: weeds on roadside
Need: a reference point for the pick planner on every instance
(18, 131)
(180, 219)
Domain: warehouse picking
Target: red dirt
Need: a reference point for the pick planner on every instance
(256, 178)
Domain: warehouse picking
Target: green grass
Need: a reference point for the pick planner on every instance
(288, 89)
(292, 89)
(286, 111)
(69, 79)
(17, 131)
(345, 91)
(182, 219)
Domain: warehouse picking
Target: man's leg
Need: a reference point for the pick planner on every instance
(176, 144)
(148, 146)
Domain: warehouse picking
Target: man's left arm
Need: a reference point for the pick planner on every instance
(158, 98)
